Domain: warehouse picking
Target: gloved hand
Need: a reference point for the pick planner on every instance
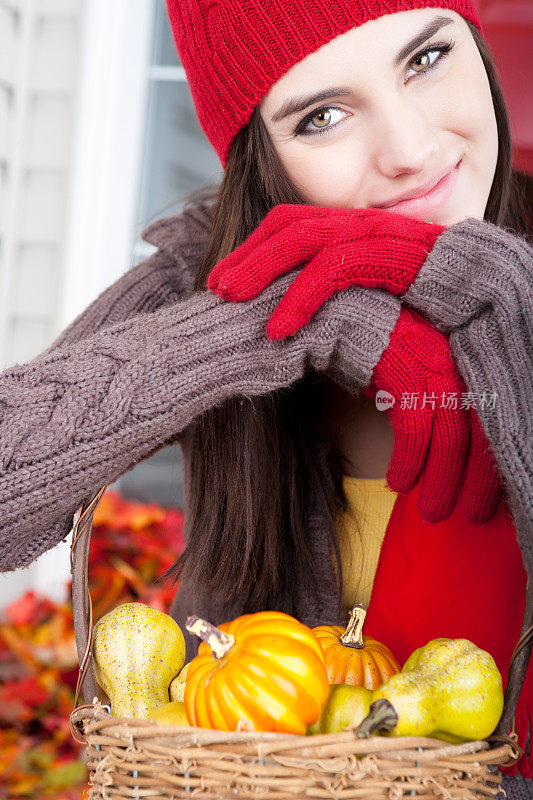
(336, 247)
(376, 248)
(446, 443)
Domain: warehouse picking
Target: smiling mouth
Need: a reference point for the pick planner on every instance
(419, 194)
(433, 198)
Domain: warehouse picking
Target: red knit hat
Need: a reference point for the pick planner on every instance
(233, 51)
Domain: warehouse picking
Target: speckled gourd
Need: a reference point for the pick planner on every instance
(449, 689)
(177, 687)
(137, 651)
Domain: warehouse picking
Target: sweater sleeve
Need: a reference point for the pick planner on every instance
(78, 417)
(162, 279)
(476, 285)
(159, 281)
(516, 787)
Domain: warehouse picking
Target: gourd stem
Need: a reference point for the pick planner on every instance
(382, 716)
(219, 642)
(353, 635)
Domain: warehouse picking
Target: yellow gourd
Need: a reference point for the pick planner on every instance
(449, 689)
(137, 651)
(177, 687)
(170, 714)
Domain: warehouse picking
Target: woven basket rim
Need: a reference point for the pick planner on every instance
(87, 716)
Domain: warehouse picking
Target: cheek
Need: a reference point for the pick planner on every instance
(465, 107)
(466, 122)
(329, 175)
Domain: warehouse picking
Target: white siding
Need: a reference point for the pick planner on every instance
(73, 75)
(39, 79)
(39, 76)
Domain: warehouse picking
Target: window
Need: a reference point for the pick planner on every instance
(176, 159)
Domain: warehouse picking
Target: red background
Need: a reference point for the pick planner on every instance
(508, 30)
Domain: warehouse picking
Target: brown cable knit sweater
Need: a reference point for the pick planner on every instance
(81, 413)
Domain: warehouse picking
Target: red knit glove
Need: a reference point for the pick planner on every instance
(447, 444)
(376, 248)
(336, 247)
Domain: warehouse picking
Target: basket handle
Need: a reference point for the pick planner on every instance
(82, 607)
(83, 623)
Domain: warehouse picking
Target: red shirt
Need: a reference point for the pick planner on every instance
(452, 579)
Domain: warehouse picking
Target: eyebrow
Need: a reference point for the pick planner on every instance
(297, 104)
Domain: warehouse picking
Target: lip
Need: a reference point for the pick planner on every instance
(435, 195)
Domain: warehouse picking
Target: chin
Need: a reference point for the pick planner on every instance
(446, 217)
(453, 212)
(453, 219)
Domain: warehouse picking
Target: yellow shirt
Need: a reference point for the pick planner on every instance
(360, 531)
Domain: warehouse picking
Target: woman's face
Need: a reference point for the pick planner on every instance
(394, 120)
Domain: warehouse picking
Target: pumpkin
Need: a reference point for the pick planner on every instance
(264, 671)
(352, 657)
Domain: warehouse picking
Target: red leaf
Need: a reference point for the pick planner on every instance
(29, 609)
(26, 690)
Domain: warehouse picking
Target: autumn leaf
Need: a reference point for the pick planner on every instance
(132, 546)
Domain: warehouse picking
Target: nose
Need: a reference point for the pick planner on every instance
(405, 140)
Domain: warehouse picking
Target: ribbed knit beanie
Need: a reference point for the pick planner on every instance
(233, 51)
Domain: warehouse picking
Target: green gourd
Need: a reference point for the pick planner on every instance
(346, 706)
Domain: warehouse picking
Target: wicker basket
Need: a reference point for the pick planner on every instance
(130, 758)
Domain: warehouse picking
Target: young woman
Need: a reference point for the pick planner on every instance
(284, 455)
(330, 130)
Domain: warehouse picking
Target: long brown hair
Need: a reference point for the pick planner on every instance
(255, 464)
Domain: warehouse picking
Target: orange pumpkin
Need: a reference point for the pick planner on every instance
(353, 658)
(265, 670)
